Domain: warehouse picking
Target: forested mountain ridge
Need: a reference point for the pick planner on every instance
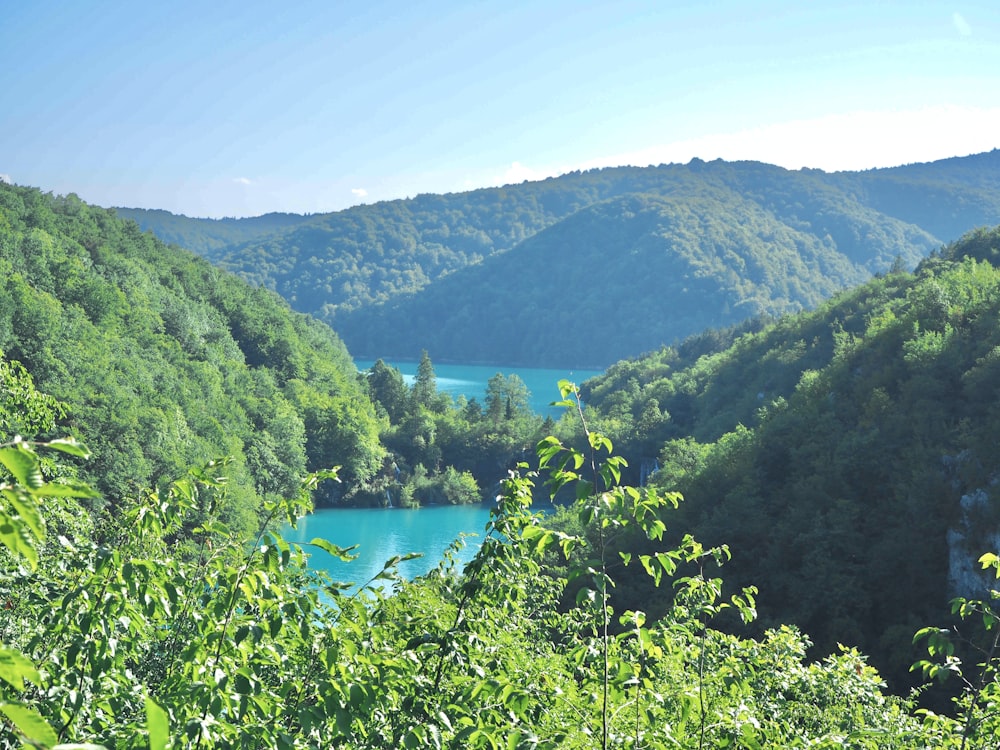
(205, 236)
(946, 197)
(847, 455)
(167, 362)
(398, 276)
(620, 277)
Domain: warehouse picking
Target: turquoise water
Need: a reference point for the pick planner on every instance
(470, 380)
(383, 533)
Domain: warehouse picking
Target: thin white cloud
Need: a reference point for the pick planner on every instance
(961, 25)
(852, 141)
(518, 172)
(5, 178)
(843, 142)
(359, 192)
(243, 181)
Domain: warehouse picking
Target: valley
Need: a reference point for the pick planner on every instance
(826, 447)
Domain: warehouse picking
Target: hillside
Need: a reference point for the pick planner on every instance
(621, 277)
(432, 272)
(206, 236)
(847, 455)
(165, 362)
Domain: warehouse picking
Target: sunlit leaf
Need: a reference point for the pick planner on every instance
(27, 512)
(30, 723)
(157, 725)
(15, 538)
(65, 488)
(23, 465)
(15, 669)
(69, 445)
(341, 553)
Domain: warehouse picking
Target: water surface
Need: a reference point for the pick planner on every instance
(383, 533)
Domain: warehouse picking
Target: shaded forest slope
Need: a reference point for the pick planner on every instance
(847, 455)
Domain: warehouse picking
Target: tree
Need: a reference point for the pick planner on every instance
(507, 397)
(424, 392)
(388, 389)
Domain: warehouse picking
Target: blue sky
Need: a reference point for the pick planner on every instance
(237, 109)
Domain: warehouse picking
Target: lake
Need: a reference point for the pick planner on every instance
(382, 533)
(470, 380)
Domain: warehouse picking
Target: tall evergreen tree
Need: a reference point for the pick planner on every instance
(425, 384)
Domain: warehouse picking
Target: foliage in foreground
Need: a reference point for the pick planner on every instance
(135, 645)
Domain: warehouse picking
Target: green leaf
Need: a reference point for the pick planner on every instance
(27, 511)
(14, 537)
(157, 725)
(341, 553)
(389, 568)
(598, 441)
(990, 560)
(655, 573)
(66, 488)
(30, 724)
(69, 445)
(283, 548)
(23, 465)
(567, 388)
(15, 668)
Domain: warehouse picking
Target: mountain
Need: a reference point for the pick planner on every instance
(621, 277)
(164, 362)
(205, 236)
(642, 256)
(847, 455)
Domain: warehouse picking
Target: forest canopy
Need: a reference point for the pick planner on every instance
(846, 455)
(166, 362)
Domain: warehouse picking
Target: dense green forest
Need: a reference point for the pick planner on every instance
(125, 638)
(846, 455)
(167, 362)
(620, 261)
(817, 479)
(206, 236)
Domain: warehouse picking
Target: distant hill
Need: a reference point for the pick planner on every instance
(586, 268)
(205, 236)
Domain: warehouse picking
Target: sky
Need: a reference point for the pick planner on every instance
(241, 108)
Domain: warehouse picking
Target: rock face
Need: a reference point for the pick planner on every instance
(967, 540)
